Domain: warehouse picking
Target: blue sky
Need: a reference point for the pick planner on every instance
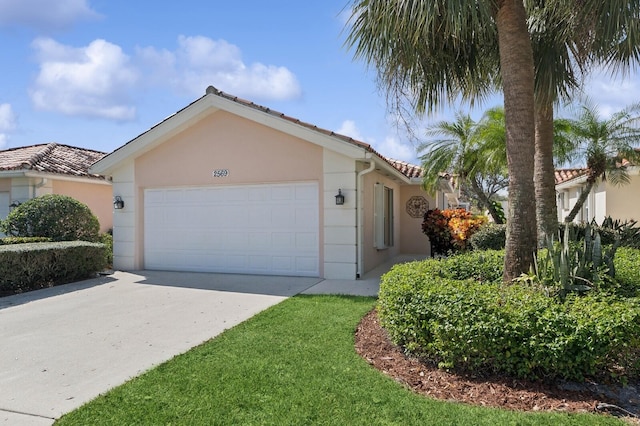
(97, 73)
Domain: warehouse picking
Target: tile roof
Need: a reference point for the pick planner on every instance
(51, 158)
(564, 175)
(409, 170)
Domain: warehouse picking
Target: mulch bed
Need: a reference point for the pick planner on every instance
(373, 344)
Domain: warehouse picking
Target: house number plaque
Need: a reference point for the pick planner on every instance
(220, 173)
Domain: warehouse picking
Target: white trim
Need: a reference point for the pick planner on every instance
(211, 103)
(575, 182)
(53, 176)
(360, 217)
(207, 105)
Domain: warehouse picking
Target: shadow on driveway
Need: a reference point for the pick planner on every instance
(44, 293)
(251, 284)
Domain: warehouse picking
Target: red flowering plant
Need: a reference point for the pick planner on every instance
(436, 226)
(449, 230)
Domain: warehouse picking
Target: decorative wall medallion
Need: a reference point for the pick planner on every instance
(417, 206)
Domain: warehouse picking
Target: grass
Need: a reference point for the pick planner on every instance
(293, 364)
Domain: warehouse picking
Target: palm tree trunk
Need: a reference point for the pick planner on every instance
(544, 177)
(581, 200)
(516, 65)
(484, 200)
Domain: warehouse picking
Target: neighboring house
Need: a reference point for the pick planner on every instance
(619, 202)
(31, 171)
(225, 185)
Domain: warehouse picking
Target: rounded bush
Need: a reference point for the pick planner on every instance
(518, 330)
(58, 217)
(489, 237)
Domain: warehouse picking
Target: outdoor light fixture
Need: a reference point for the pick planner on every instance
(118, 202)
(14, 205)
(339, 198)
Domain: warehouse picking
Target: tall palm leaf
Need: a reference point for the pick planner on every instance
(604, 144)
(569, 37)
(431, 51)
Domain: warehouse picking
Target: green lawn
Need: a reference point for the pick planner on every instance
(293, 364)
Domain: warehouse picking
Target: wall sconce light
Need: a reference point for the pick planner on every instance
(339, 198)
(118, 202)
(14, 205)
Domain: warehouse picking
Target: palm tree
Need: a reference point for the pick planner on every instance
(604, 144)
(471, 152)
(568, 38)
(434, 50)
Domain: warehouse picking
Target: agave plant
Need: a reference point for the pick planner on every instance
(575, 267)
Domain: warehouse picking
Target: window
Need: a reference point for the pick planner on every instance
(383, 216)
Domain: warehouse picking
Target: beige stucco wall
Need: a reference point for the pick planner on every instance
(412, 239)
(97, 196)
(623, 202)
(251, 152)
(5, 185)
(619, 202)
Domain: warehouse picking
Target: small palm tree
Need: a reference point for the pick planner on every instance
(473, 152)
(604, 144)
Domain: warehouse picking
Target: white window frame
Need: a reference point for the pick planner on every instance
(383, 217)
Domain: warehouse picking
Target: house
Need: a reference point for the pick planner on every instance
(605, 199)
(225, 185)
(31, 171)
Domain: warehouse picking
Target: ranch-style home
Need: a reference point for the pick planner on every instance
(606, 199)
(225, 185)
(30, 171)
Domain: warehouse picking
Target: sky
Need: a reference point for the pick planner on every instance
(97, 73)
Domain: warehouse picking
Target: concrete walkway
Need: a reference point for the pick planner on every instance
(63, 346)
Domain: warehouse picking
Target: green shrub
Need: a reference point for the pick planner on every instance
(107, 239)
(489, 237)
(25, 267)
(55, 216)
(23, 240)
(483, 266)
(488, 327)
(627, 264)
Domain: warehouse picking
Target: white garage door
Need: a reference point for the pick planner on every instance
(249, 229)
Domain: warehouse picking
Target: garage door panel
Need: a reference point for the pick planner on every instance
(261, 229)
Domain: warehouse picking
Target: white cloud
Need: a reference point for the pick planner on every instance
(8, 119)
(8, 123)
(199, 62)
(44, 15)
(91, 81)
(612, 93)
(390, 147)
(349, 128)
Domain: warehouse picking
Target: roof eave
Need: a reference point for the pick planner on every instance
(572, 183)
(207, 105)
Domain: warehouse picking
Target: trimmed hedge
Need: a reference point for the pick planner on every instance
(483, 326)
(23, 240)
(489, 237)
(25, 267)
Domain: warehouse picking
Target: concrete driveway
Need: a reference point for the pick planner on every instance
(63, 346)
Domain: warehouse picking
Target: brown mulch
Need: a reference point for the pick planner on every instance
(374, 346)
